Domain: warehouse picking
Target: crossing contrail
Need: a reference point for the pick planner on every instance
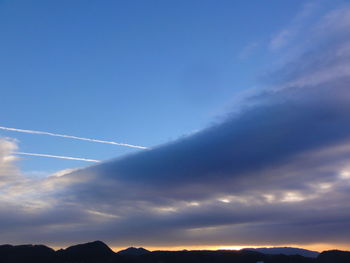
(72, 137)
(58, 157)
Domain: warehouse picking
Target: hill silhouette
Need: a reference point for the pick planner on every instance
(99, 252)
(334, 256)
(285, 251)
(26, 253)
(133, 251)
(96, 251)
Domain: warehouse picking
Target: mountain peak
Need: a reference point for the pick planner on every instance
(133, 251)
(88, 252)
(285, 251)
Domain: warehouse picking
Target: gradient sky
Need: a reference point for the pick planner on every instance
(244, 105)
(143, 72)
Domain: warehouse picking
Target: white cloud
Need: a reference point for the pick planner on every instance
(8, 170)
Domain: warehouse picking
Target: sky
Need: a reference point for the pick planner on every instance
(175, 124)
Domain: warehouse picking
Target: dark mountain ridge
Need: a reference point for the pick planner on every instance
(23, 253)
(334, 256)
(285, 251)
(96, 251)
(133, 251)
(99, 252)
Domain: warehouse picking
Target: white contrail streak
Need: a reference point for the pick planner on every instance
(72, 137)
(58, 157)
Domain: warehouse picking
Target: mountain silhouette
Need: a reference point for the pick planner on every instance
(99, 252)
(26, 253)
(133, 251)
(286, 251)
(96, 251)
(334, 256)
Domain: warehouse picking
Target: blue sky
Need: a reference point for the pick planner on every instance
(142, 72)
(244, 105)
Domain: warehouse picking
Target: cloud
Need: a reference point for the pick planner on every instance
(271, 173)
(282, 38)
(71, 137)
(299, 25)
(276, 171)
(248, 50)
(8, 168)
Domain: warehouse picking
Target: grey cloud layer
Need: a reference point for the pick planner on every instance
(276, 172)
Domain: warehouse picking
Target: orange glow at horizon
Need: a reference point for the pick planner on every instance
(319, 247)
(315, 247)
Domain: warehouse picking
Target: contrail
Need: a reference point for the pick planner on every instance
(58, 157)
(72, 137)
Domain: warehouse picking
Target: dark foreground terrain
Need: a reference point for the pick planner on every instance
(98, 252)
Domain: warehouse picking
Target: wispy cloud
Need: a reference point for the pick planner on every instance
(281, 39)
(248, 50)
(58, 157)
(289, 33)
(72, 137)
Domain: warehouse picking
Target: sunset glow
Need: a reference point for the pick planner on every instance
(175, 125)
